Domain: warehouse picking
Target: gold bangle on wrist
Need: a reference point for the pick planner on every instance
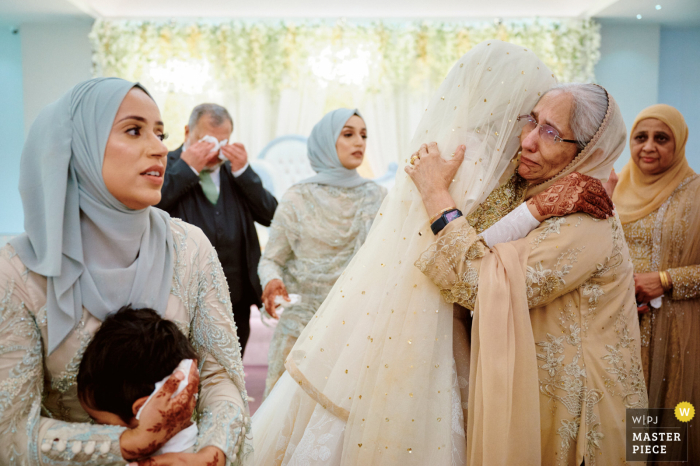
(669, 281)
(437, 216)
(665, 278)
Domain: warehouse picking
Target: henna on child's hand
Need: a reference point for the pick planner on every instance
(149, 450)
(574, 193)
(179, 412)
(215, 461)
(163, 417)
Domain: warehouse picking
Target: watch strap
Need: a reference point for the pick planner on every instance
(444, 219)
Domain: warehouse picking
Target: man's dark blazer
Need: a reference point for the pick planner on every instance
(229, 224)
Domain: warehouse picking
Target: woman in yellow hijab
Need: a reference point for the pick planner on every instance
(657, 199)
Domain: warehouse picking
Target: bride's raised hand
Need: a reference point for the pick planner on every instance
(162, 417)
(433, 175)
(573, 193)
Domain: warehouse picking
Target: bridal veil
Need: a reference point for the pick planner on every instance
(378, 353)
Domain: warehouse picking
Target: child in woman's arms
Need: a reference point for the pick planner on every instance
(130, 357)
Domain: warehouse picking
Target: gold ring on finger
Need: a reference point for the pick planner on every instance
(413, 159)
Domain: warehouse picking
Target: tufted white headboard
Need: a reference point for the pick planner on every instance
(286, 161)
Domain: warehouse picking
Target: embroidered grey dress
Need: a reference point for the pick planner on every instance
(316, 231)
(41, 420)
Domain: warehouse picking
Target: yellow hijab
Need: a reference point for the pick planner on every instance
(637, 195)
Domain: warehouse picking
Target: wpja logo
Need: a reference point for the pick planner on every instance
(658, 434)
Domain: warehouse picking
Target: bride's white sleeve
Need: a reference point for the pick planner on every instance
(517, 224)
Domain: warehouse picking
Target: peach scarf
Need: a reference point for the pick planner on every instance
(504, 407)
(637, 195)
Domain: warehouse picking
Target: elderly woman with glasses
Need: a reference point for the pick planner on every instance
(555, 322)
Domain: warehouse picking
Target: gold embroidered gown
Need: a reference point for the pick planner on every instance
(581, 297)
(670, 348)
(41, 420)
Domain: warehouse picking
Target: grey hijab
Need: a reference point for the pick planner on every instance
(323, 156)
(73, 224)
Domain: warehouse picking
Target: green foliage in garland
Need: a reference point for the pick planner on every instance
(275, 55)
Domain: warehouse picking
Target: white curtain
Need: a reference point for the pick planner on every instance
(280, 78)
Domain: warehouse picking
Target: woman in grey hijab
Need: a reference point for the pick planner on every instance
(319, 225)
(91, 171)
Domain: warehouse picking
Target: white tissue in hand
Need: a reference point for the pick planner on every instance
(656, 302)
(293, 299)
(280, 301)
(184, 366)
(187, 437)
(217, 145)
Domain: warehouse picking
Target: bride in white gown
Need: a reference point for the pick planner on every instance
(372, 378)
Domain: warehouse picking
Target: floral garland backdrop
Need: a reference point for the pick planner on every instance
(236, 57)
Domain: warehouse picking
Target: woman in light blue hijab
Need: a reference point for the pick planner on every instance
(91, 170)
(331, 158)
(319, 225)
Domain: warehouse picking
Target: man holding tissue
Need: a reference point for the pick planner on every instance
(209, 183)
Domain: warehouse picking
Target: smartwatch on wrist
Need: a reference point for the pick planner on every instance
(444, 219)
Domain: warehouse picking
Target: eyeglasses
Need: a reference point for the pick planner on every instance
(547, 133)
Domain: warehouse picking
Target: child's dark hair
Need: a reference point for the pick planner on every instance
(131, 351)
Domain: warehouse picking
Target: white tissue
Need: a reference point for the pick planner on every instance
(217, 145)
(279, 300)
(180, 442)
(293, 299)
(184, 366)
(656, 302)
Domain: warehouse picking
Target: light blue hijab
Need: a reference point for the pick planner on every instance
(63, 192)
(323, 156)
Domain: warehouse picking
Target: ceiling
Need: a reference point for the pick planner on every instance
(672, 12)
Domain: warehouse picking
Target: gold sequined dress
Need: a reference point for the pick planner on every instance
(581, 300)
(668, 239)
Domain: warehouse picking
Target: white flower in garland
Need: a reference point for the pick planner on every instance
(276, 55)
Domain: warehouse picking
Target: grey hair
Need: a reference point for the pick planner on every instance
(217, 113)
(587, 111)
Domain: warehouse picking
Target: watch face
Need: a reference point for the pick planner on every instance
(449, 216)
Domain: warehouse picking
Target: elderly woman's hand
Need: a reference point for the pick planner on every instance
(647, 286)
(432, 176)
(162, 417)
(573, 193)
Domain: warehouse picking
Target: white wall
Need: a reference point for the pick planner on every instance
(629, 69)
(11, 131)
(679, 82)
(37, 65)
(55, 57)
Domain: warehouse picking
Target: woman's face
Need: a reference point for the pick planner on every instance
(544, 159)
(652, 146)
(352, 142)
(135, 155)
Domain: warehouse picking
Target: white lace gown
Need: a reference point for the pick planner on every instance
(316, 231)
(306, 434)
